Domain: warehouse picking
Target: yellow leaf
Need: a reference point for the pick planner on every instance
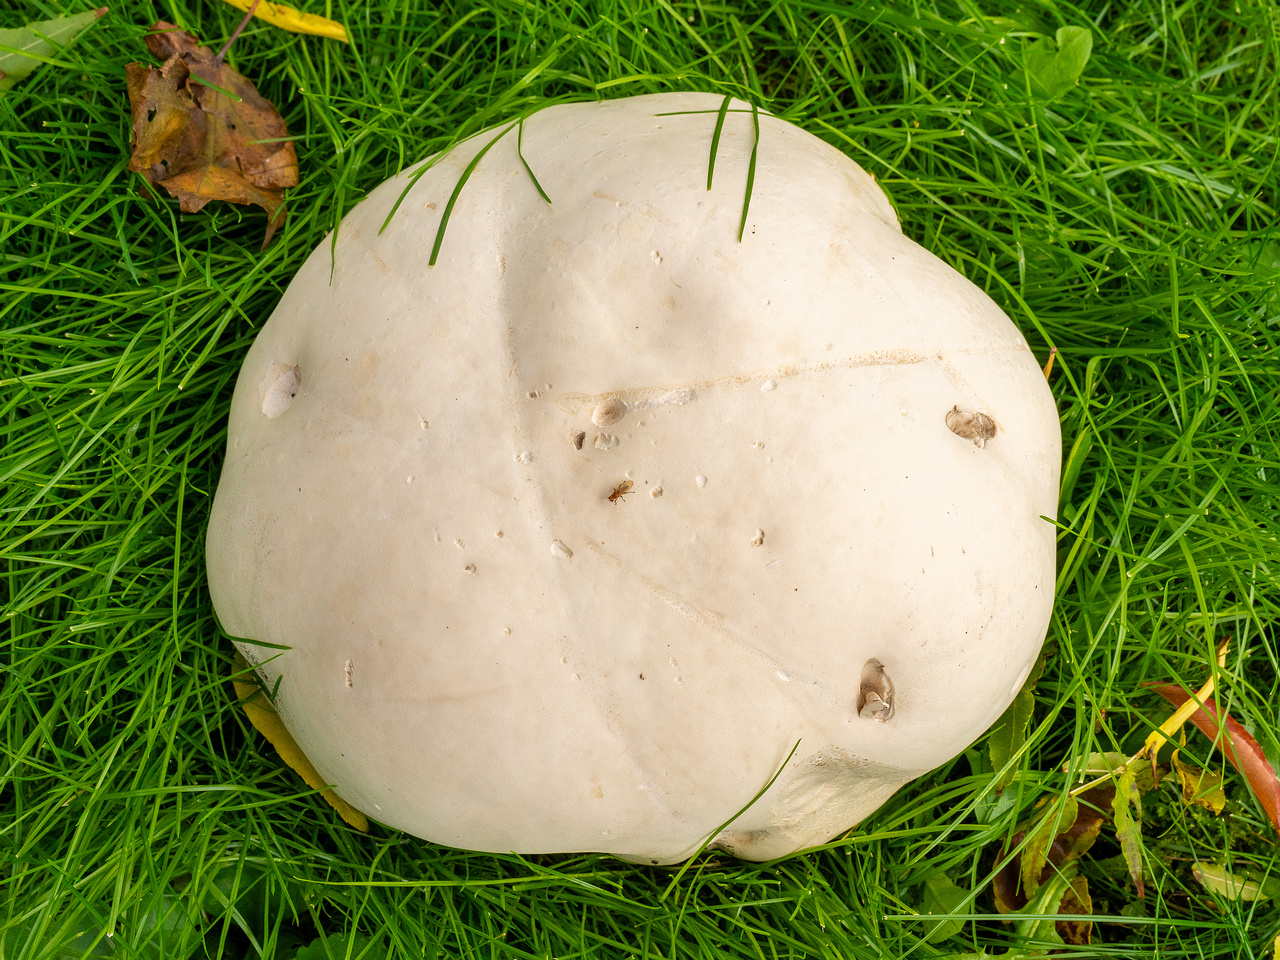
(295, 21)
(1200, 786)
(257, 707)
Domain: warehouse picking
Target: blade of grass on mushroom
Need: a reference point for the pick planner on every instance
(457, 191)
(751, 169)
(715, 140)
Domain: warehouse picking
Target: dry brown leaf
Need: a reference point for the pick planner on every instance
(201, 130)
(258, 708)
(1076, 901)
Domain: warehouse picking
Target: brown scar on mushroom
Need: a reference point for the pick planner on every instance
(875, 692)
(971, 425)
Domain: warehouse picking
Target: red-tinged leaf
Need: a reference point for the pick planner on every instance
(1236, 743)
(1129, 827)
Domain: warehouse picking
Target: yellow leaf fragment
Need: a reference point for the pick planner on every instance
(257, 707)
(1200, 786)
(1048, 367)
(295, 21)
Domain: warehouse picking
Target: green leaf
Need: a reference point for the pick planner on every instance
(166, 930)
(1010, 732)
(1036, 853)
(81, 939)
(1129, 827)
(336, 946)
(251, 896)
(942, 897)
(1038, 920)
(1054, 66)
(457, 191)
(25, 48)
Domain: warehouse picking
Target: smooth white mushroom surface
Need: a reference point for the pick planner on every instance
(840, 455)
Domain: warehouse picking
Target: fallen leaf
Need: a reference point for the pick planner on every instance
(201, 130)
(942, 897)
(295, 21)
(335, 945)
(1038, 921)
(1236, 743)
(1072, 841)
(1055, 64)
(1200, 786)
(1234, 886)
(1010, 731)
(1076, 900)
(25, 48)
(1036, 853)
(1128, 827)
(258, 708)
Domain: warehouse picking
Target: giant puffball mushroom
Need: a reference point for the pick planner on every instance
(840, 456)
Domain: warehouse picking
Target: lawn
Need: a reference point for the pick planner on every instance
(1126, 216)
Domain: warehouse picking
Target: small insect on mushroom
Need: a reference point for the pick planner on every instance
(620, 491)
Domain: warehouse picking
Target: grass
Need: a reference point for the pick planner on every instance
(1130, 222)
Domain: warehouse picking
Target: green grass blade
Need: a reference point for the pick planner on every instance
(457, 191)
(527, 169)
(751, 170)
(715, 139)
(720, 829)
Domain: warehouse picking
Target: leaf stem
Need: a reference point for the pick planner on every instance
(236, 33)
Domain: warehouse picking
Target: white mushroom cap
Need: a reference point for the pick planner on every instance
(624, 676)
